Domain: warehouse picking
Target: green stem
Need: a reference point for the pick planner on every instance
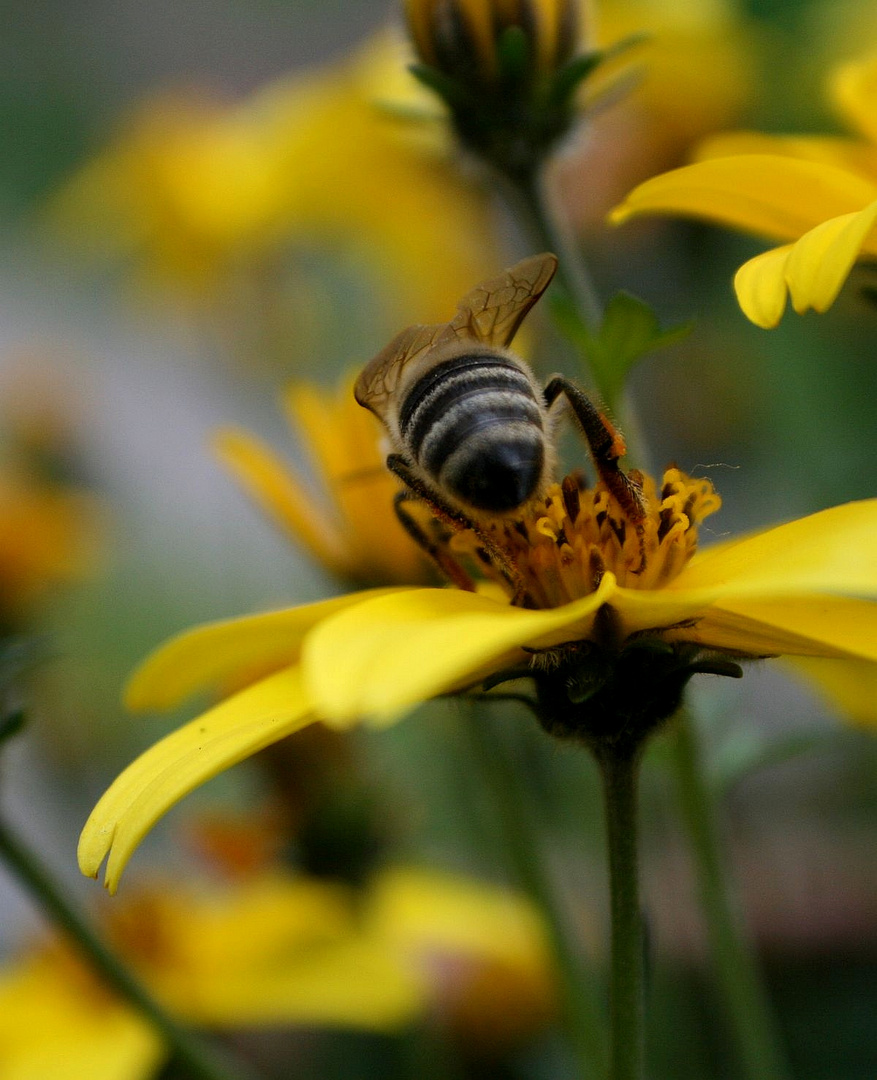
(553, 231)
(583, 1016)
(739, 982)
(619, 769)
(202, 1061)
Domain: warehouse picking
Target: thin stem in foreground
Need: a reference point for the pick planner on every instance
(584, 1020)
(619, 769)
(201, 1060)
(739, 982)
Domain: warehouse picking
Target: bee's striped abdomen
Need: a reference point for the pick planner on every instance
(474, 425)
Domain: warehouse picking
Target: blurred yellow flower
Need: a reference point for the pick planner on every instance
(820, 192)
(696, 69)
(207, 197)
(273, 950)
(349, 527)
(47, 536)
(602, 587)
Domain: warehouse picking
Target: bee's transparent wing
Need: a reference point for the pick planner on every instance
(380, 377)
(494, 310)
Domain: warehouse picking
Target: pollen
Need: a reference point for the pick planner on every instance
(561, 546)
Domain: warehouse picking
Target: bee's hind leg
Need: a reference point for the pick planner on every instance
(448, 566)
(459, 522)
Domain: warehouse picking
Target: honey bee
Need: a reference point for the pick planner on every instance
(470, 427)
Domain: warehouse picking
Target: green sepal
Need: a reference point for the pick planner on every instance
(513, 55)
(447, 88)
(570, 77)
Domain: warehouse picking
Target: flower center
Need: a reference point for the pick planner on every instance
(562, 545)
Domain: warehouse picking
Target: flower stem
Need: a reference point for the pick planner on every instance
(619, 769)
(582, 1013)
(552, 230)
(743, 996)
(201, 1060)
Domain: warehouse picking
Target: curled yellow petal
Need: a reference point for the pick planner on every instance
(201, 658)
(176, 765)
(219, 738)
(769, 195)
(399, 650)
(761, 287)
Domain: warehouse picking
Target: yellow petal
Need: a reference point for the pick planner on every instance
(200, 658)
(55, 1025)
(382, 657)
(852, 155)
(853, 88)
(278, 491)
(833, 551)
(761, 287)
(820, 262)
(219, 738)
(832, 626)
(847, 686)
(766, 194)
(421, 910)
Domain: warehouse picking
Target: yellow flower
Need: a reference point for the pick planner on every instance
(207, 197)
(273, 950)
(461, 38)
(819, 192)
(696, 73)
(352, 530)
(47, 537)
(622, 614)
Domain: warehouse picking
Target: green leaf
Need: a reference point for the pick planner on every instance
(630, 330)
(748, 751)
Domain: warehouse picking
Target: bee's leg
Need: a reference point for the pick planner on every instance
(448, 566)
(607, 446)
(458, 521)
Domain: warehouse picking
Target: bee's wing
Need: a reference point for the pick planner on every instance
(494, 310)
(380, 377)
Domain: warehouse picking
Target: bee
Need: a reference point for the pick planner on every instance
(470, 427)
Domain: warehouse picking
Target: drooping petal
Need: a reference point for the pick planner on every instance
(219, 738)
(848, 686)
(769, 195)
(277, 490)
(761, 287)
(812, 270)
(384, 656)
(200, 658)
(820, 262)
(833, 551)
